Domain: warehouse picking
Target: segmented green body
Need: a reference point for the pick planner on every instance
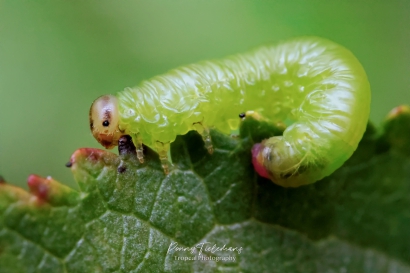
(315, 86)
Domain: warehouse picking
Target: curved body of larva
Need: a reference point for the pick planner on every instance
(315, 86)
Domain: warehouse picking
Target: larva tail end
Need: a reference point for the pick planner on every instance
(257, 160)
(271, 159)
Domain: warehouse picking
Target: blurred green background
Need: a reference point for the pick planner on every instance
(56, 57)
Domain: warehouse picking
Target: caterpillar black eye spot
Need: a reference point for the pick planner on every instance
(106, 123)
(242, 115)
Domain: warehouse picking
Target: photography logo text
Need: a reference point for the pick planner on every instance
(205, 251)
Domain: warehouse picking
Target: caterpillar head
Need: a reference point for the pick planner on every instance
(104, 119)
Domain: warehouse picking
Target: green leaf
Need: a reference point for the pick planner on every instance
(130, 217)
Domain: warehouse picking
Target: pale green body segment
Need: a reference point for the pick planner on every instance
(315, 86)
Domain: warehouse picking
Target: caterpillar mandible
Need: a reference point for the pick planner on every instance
(315, 86)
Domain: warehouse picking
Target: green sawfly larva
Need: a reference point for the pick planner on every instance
(316, 87)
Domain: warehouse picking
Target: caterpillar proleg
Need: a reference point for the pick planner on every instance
(316, 87)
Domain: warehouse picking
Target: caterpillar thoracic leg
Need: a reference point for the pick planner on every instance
(163, 150)
(139, 149)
